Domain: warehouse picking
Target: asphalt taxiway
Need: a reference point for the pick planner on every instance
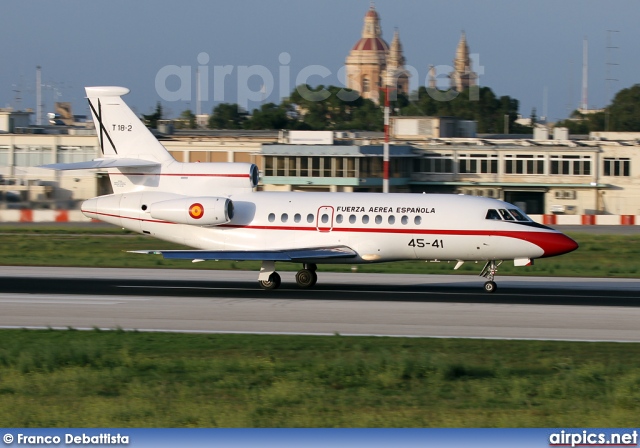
(348, 304)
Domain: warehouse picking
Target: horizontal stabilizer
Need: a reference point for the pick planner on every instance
(101, 163)
(257, 255)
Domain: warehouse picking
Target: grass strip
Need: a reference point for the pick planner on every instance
(132, 379)
(598, 255)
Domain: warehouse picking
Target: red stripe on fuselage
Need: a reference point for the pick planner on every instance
(127, 217)
(552, 243)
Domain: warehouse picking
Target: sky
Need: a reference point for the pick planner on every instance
(253, 51)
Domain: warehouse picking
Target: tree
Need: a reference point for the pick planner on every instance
(187, 120)
(479, 104)
(579, 123)
(333, 108)
(227, 116)
(152, 120)
(624, 111)
(269, 116)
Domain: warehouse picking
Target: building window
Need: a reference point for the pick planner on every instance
(478, 163)
(326, 169)
(304, 166)
(280, 168)
(434, 163)
(70, 154)
(292, 169)
(351, 167)
(371, 167)
(339, 167)
(4, 155)
(315, 167)
(366, 87)
(571, 165)
(32, 155)
(269, 162)
(524, 164)
(617, 167)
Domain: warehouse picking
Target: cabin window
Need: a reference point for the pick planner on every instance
(352, 219)
(492, 214)
(505, 215)
(365, 219)
(417, 220)
(324, 218)
(297, 217)
(339, 219)
(404, 220)
(378, 219)
(284, 217)
(309, 218)
(272, 217)
(391, 220)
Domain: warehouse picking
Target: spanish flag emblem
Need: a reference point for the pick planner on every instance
(196, 211)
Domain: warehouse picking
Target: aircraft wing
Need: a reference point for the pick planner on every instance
(317, 253)
(101, 163)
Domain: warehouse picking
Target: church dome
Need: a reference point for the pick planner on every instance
(371, 44)
(372, 13)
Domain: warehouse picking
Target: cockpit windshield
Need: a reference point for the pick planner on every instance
(516, 214)
(506, 215)
(493, 214)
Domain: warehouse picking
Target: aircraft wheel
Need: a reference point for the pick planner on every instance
(273, 282)
(490, 286)
(306, 278)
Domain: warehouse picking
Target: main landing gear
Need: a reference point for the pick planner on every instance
(273, 282)
(307, 277)
(270, 279)
(489, 272)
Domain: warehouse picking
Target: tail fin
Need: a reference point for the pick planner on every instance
(121, 134)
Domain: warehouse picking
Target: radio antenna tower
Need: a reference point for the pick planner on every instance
(39, 95)
(585, 70)
(609, 79)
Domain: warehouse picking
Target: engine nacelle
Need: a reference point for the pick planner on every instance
(199, 211)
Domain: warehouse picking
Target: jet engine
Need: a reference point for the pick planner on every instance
(200, 211)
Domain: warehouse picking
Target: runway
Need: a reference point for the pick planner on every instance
(348, 304)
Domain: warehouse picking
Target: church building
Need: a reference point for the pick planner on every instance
(372, 64)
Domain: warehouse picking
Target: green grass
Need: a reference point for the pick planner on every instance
(598, 255)
(130, 379)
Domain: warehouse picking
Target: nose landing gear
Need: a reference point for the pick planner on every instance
(489, 272)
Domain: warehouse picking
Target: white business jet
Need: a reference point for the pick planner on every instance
(213, 208)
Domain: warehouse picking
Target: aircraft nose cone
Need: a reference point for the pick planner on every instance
(557, 244)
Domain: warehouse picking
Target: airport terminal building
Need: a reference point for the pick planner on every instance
(596, 176)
